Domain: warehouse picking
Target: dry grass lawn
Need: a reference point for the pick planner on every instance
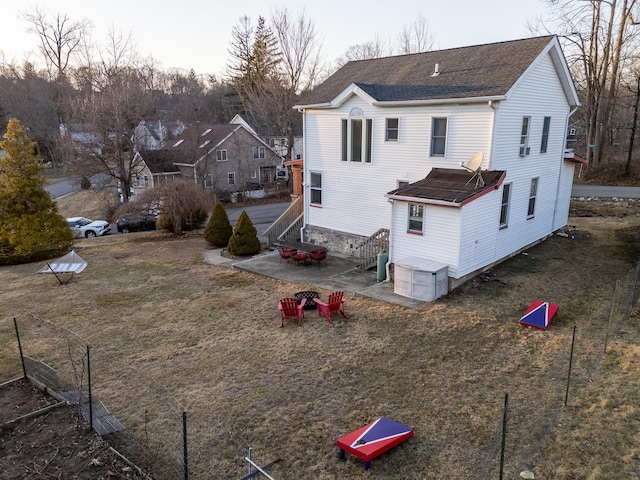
(169, 332)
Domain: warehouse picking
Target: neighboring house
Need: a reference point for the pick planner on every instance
(271, 134)
(155, 167)
(156, 135)
(84, 138)
(388, 145)
(225, 159)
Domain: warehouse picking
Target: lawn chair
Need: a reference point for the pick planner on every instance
(289, 308)
(335, 304)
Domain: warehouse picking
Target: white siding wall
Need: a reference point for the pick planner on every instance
(440, 239)
(480, 224)
(538, 94)
(353, 198)
(564, 195)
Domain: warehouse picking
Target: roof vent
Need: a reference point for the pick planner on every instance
(436, 70)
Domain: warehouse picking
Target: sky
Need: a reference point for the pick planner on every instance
(197, 33)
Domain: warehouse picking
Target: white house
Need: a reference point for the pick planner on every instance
(458, 154)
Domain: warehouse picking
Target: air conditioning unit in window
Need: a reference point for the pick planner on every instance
(524, 151)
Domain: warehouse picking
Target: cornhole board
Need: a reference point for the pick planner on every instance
(539, 314)
(373, 440)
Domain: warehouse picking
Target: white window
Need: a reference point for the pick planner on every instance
(524, 136)
(391, 130)
(254, 174)
(146, 181)
(545, 135)
(316, 188)
(416, 218)
(208, 180)
(402, 183)
(231, 178)
(504, 208)
(438, 136)
(258, 152)
(356, 137)
(533, 193)
(221, 155)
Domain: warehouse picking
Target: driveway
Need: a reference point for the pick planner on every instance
(603, 191)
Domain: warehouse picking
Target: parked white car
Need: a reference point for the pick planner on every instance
(84, 227)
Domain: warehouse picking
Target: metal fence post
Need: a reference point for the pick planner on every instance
(185, 450)
(504, 432)
(89, 380)
(24, 368)
(573, 341)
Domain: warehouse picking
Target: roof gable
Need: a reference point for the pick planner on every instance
(486, 71)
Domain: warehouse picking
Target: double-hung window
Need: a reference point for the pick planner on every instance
(315, 185)
(545, 135)
(391, 130)
(258, 152)
(438, 137)
(416, 218)
(356, 137)
(231, 178)
(524, 136)
(533, 193)
(504, 207)
(221, 155)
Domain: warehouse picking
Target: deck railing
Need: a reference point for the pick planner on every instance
(293, 215)
(371, 247)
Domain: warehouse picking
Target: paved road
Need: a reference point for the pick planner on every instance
(602, 191)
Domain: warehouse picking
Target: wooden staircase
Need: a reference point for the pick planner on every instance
(287, 227)
(371, 247)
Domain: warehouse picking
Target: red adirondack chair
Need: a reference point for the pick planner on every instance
(335, 304)
(289, 308)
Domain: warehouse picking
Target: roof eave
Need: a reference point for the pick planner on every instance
(438, 101)
(428, 201)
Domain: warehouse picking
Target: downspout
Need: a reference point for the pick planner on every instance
(387, 267)
(305, 175)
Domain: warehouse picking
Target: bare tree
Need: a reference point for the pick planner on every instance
(415, 37)
(599, 39)
(365, 51)
(59, 37)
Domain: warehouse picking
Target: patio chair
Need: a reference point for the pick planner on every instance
(286, 253)
(334, 304)
(318, 256)
(289, 308)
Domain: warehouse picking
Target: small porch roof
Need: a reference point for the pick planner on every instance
(450, 187)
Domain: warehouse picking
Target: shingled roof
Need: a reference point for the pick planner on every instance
(449, 186)
(160, 161)
(487, 70)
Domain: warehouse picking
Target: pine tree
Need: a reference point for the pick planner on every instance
(30, 227)
(219, 230)
(244, 240)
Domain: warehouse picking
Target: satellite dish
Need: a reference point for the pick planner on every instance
(474, 165)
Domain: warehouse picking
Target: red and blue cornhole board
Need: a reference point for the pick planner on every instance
(373, 440)
(539, 314)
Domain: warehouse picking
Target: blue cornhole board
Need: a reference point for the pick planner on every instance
(539, 314)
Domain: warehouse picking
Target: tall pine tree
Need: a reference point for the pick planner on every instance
(30, 227)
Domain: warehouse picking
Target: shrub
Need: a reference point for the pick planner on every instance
(219, 230)
(85, 183)
(244, 240)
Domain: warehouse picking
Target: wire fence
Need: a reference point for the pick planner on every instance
(152, 428)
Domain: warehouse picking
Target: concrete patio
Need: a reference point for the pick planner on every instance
(337, 273)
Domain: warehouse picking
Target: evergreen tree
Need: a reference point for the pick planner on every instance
(244, 240)
(30, 227)
(219, 230)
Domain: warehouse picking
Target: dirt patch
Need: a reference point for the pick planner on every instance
(51, 444)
